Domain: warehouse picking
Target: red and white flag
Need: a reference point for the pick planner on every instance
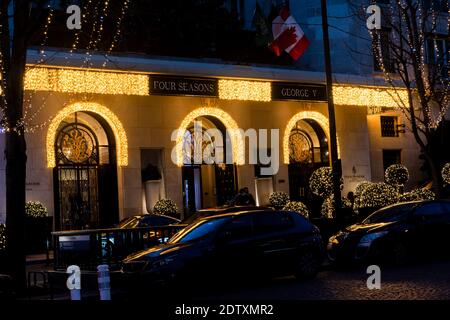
(288, 36)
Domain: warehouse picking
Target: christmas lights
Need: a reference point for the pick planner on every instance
(292, 123)
(396, 175)
(321, 182)
(165, 207)
(237, 141)
(85, 81)
(360, 188)
(297, 206)
(369, 96)
(245, 90)
(446, 173)
(2, 237)
(327, 210)
(278, 199)
(35, 209)
(417, 195)
(111, 119)
(378, 195)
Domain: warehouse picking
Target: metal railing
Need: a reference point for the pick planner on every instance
(89, 248)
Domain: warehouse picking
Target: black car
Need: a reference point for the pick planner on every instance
(147, 220)
(231, 246)
(395, 234)
(203, 213)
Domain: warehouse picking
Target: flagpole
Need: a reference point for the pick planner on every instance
(335, 162)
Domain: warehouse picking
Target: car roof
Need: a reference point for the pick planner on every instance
(153, 215)
(417, 202)
(234, 209)
(231, 214)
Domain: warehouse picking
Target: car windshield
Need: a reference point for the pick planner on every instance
(198, 230)
(390, 214)
(131, 222)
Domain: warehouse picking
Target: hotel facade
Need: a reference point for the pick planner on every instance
(92, 129)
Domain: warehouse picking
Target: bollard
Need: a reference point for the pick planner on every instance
(103, 282)
(74, 282)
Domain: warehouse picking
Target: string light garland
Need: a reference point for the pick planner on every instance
(369, 96)
(292, 123)
(108, 115)
(237, 141)
(85, 81)
(396, 175)
(298, 207)
(245, 90)
(278, 199)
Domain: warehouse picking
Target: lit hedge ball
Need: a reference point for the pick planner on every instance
(396, 175)
(327, 210)
(278, 199)
(165, 207)
(321, 182)
(378, 195)
(2, 237)
(359, 190)
(417, 195)
(35, 209)
(297, 206)
(446, 173)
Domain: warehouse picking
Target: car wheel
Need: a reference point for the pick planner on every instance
(308, 266)
(399, 254)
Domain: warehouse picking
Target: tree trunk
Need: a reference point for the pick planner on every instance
(15, 150)
(435, 174)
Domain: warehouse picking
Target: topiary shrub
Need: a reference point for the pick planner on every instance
(360, 188)
(278, 199)
(446, 173)
(378, 195)
(417, 195)
(327, 210)
(297, 206)
(396, 175)
(35, 209)
(165, 207)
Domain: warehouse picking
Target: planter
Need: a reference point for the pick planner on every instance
(152, 193)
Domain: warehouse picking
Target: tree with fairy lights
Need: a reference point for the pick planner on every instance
(25, 24)
(408, 52)
(397, 175)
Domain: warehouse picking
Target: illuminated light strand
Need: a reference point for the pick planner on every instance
(369, 96)
(314, 115)
(237, 141)
(116, 126)
(245, 90)
(118, 30)
(85, 81)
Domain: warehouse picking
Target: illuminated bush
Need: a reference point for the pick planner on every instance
(378, 195)
(35, 209)
(327, 210)
(321, 182)
(358, 191)
(396, 175)
(417, 195)
(278, 199)
(297, 206)
(165, 207)
(446, 173)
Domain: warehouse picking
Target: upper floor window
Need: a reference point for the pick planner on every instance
(389, 126)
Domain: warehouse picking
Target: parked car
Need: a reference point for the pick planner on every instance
(395, 234)
(147, 220)
(220, 210)
(231, 246)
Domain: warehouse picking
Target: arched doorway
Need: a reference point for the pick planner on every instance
(206, 184)
(308, 150)
(85, 175)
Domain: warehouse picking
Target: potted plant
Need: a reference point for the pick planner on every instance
(151, 178)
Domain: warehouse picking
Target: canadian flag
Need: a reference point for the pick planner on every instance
(288, 36)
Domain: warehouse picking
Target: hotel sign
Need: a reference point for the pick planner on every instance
(298, 91)
(180, 86)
